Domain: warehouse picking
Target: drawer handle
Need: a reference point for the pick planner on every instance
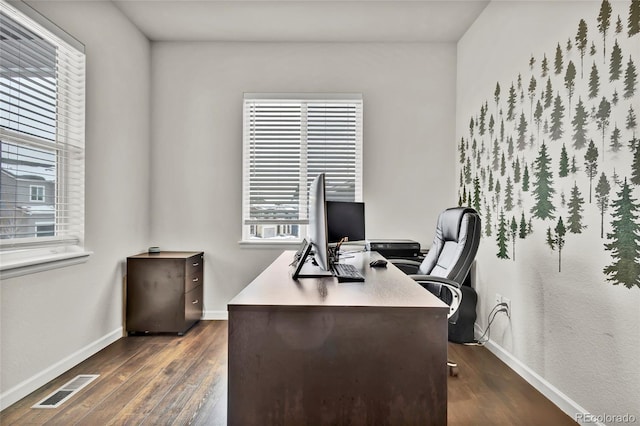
(196, 264)
(195, 280)
(195, 302)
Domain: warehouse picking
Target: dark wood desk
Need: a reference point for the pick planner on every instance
(317, 351)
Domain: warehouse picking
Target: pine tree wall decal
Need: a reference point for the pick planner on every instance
(591, 164)
(581, 43)
(604, 21)
(501, 237)
(543, 186)
(603, 188)
(574, 221)
(624, 241)
(513, 175)
(602, 118)
(630, 78)
(615, 64)
(594, 82)
(633, 22)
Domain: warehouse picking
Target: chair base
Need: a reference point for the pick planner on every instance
(453, 368)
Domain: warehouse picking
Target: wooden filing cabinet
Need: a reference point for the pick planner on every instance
(164, 291)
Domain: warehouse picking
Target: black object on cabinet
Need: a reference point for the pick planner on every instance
(164, 292)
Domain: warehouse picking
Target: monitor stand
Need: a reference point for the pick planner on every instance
(309, 270)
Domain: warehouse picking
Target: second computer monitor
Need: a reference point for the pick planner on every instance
(345, 219)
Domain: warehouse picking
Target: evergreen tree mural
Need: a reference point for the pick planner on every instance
(570, 82)
(508, 195)
(523, 227)
(522, 132)
(511, 103)
(633, 21)
(630, 79)
(615, 65)
(591, 164)
(537, 116)
(557, 119)
(544, 66)
(487, 222)
(603, 188)
(579, 123)
(514, 232)
(604, 21)
(501, 237)
(516, 142)
(516, 171)
(557, 62)
(525, 178)
(635, 166)
(602, 118)
(556, 240)
(624, 241)
(476, 194)
(532, 94)
(563, 171)
(631, 122)
(615, 144)
(543, 186)
(548, 94)
(594, 82)
(574, 221)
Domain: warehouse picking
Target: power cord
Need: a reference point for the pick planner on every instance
(500, 307)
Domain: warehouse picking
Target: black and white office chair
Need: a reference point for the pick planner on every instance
(448, 262)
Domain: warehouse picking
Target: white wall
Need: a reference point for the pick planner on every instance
(55, 319)
(573, 328)
(197, 90)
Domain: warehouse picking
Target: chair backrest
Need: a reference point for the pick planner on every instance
(454, 246)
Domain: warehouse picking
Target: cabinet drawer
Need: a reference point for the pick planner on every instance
(194, 272)
(193, 305)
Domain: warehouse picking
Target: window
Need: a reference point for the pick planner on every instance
(42, 79)
(37, 193)
(288, 140)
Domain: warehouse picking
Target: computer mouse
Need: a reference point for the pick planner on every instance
(380, 263)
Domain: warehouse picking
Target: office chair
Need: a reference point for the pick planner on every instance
(447, 264)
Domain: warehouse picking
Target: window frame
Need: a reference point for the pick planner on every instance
(40, 193)
(24, 255)
(304, 179)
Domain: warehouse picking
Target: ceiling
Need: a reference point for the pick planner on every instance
(303, 20)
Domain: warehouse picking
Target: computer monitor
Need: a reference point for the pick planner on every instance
(345, 219)
(318, 222)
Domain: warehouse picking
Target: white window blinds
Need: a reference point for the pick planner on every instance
(42, 96)
(288, 141)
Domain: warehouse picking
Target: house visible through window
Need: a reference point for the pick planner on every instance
(42, 95)
(288, 140)
(37, 193)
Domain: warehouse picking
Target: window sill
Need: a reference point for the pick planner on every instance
(16, 267)
(262, 244)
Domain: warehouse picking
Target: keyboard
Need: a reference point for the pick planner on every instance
(346, 272)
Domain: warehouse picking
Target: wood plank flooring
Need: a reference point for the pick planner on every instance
(171, 380)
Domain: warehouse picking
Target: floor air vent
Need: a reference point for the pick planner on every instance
(66, 391)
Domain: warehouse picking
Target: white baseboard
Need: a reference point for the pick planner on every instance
(215, 315)
(553, 394)
(23, 389)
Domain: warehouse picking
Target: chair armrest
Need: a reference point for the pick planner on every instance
(406, 265)
(435, 284)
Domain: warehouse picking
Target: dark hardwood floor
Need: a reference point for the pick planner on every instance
(175, 380)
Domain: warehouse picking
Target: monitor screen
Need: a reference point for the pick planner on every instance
(345, 219)
(318, 222)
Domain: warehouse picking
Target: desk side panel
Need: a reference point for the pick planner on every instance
(337, 366)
